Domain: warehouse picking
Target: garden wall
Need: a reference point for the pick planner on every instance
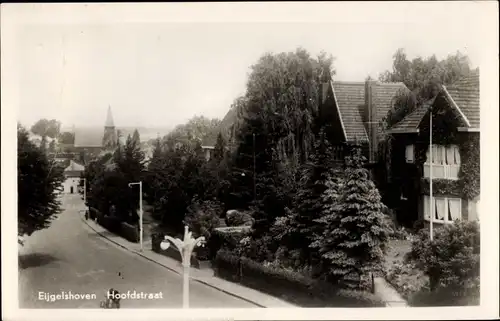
(288, 285)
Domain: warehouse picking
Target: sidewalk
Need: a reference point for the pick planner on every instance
(204, 275)
(385, 291)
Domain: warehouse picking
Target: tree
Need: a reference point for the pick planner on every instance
(38, 180)
(423, 77)
(136, 138)
(45, 127)
(67, 138)
(356, 230)
(220, 148)
(52, 146)
(451, 260)
(307, 201)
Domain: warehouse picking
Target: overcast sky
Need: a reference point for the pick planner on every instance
(161, 73)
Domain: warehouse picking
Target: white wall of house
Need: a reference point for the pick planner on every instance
(71, 182)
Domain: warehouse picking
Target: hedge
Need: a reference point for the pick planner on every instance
(172, 251)
(289, 285)
(130, 232)
(116, 226)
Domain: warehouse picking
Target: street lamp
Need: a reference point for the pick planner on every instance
(140, 209)
(185, 248)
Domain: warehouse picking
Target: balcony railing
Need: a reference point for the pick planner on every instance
(442, 171)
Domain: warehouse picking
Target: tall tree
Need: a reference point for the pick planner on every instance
(220, 148)
(45, 127)
(67, 138)
(38, 180)
(279, 108)
(422, 76)
(136, 137)
(356, 229)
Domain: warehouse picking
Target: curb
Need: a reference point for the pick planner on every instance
(175, 271)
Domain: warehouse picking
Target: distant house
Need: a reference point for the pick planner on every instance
(356, 110)
(72, 175)
(455, 157)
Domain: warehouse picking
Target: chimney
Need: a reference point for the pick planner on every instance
(371, 119)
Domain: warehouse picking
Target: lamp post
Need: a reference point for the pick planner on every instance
(254, 181)
(140, 210)
(185, 248)
(431, 216)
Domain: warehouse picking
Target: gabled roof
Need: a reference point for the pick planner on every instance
(463, 96)
(351, 102)
(465, 93)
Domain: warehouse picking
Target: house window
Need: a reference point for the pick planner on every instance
(409, 154)
(445, 162)
(443, 209)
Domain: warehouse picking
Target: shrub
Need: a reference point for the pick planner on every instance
(406, 278)
(238, 218)
(288, 284)
(202, 218)
(451, 260)
(130, 232)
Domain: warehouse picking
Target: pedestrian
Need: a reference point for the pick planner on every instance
(112, 300)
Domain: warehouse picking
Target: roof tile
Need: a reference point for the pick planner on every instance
(465, 93)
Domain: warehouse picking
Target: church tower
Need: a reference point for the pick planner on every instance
(109, 139)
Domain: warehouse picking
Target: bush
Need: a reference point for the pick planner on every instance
(443, 297)
(93, 213)
(288, 284)
(228, 238)
(130, 232)
(111, 223)
(406, 279)
(202, 218)
(238, 218)
(451, 260)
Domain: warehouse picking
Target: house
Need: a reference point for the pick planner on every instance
(354, 112)
(72, 175)
(455, 157)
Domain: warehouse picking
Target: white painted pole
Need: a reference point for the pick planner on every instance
(85, 192)
(185, 297)
(141, 214)
(431, 216)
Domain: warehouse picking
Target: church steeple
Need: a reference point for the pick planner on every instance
(110, 136)
(109, 119)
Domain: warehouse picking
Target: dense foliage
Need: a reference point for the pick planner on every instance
(422, 76)
(355, 230)
(108, 179)
(38, 180)
(451, 259)
(45, 127)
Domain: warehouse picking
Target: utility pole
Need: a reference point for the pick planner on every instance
(254, 174)
(140, 210)
(431, 216)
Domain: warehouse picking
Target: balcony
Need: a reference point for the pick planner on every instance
(442, 171)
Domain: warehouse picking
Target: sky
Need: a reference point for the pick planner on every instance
(156, 72)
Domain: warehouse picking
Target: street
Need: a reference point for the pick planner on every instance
(71, 258)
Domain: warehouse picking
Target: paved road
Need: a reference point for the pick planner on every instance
(69, 257)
